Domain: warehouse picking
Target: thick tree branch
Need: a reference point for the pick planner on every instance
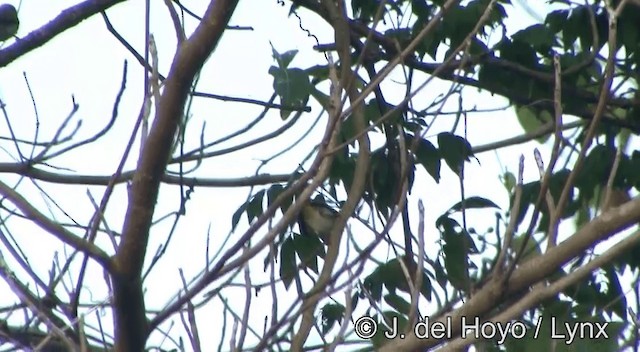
(532, 271)
(541, 293)
(130, 320)
(488, 60)
(347, 80)
(65, 20)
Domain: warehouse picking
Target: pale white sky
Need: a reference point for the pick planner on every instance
(87, 62)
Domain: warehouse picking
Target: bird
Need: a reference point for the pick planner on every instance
(317, 218)
(8, 22)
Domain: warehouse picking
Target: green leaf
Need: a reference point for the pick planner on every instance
(384, 179)
(455, 250)
(634, 164)
(355, 299)
(421, 8)
(373, 284)
(402, 35)
(430, 43)
(538, 36)
(292, 86)
(583, 215)
(586, 292)
(349, 129)
(628, 31)
(8, 22)
(520, 52)
(529, 195)
(288, 267)
(254, 209)
(429, 157)
(274, 192)
(331, 313)
(455, 150)
(320, 97)
(629, 258)
(427, 288)
(319, 73)
(236, 216)
(509, 181)
(555, 20)
(578, 26)
(342, 168)
(393, 276)
(477, 47)
(531, 250)
(615, 299)
(441, 275)
(372, 112)
(283, 59)
(398, 303)
(364, 9)
(572, 27)
(309, 248)
(474, 203)
(457, 23)
(531, 120)
(599, 162)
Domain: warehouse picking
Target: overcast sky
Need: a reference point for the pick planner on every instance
(87, 61)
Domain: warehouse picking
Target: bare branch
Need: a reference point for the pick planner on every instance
(65, 20)
(54, 228)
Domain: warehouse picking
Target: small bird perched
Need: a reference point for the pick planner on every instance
(8, 22)
(316, 217)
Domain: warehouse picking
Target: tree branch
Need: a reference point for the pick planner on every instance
(54, 228)
(531, 272)
(130, 320)
(65, 20)
(46, 176)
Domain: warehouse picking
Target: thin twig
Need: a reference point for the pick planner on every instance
(509, 234)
